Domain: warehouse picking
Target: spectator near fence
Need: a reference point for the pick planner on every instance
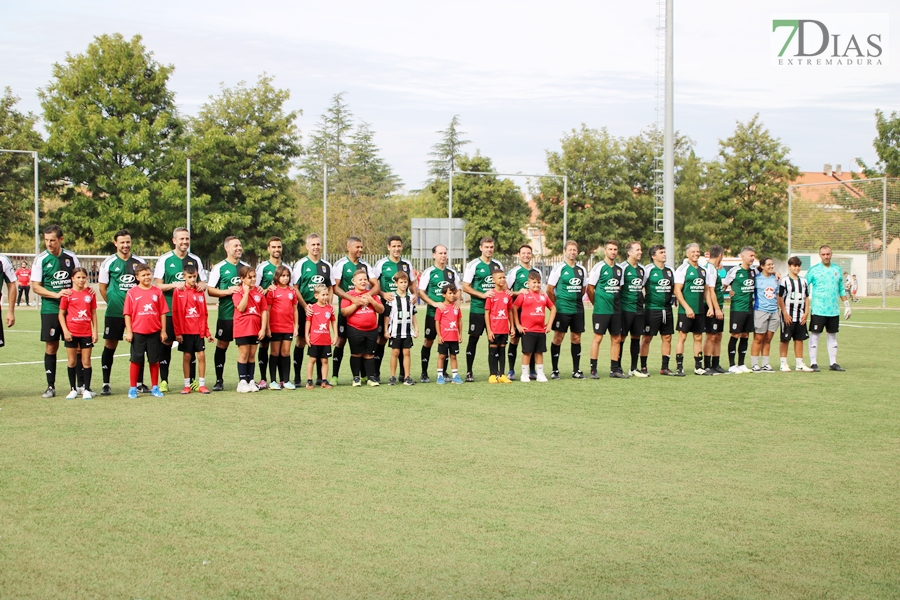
(23, 277)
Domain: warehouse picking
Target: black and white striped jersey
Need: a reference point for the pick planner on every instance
(794, 292)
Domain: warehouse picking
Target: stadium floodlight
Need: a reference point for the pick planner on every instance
(37, 207)
(565, 179)
(669, 145)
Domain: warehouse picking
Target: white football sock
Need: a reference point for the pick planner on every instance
(813, 348)
(832, 347)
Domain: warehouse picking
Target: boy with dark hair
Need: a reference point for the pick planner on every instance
(793, 292)
(529, 315)
(400, 327)
(191, 323)
(498, 323)
(448, 322)
(145, 328)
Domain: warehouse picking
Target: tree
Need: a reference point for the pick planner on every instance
(361, 185)
(491, 206)
(446, 152)
(17, 132)
(243, 143)
(602, 203)
(116, 143)
(747, 203)
(887, 146)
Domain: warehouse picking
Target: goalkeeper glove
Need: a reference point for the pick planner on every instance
(847, 311)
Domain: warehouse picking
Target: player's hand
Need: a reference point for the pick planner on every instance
(201, 286)
(710, 312)
(415, 333)
(10, 320)
(549, 327)
(787, 319)
(491, 337)
(689, 313)
(210, 339)
(490, 293)
(439, 340)
(720, 315)
(237, 288)
(261, 335)
(94, 337)
(128, 336)
(309, 310)
(388, 297)
(68, 336)
(731, 293)
(179, 285)
(269, 332)
(163, 336)
(848, 313)
(64, 293)
(179, 339)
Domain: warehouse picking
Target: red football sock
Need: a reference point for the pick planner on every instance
(154, 373)
(133, 373)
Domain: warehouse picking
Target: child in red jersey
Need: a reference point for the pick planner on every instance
(447, 322)
(145, 327)
(78, 321)
(362, 311)
(191, 322)
(498, 324)
(530, 317)
(320, 334)
(282, 299)
(251, 320)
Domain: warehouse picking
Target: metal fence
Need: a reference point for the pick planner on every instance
(859, 219)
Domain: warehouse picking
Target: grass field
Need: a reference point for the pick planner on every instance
(739, 486)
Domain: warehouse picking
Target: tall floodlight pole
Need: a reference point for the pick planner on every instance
(188, 194)
(37, 201)
(669, 147)
(450, 219)
(883, 242)
(565, 210)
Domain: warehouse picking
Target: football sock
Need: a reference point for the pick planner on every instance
(454, 373)
(763, 361)
(192, 370)
(426, 357)
(612, 366)
(698, 361)
(707, 362)
(831, 341)
(241, 370)
(379, 355)
(732, 351)
(679, 361)
(813, 348)
(742, 350)
(593, 364)
(154, 373)
(164, 360)
(754, 361)
(219, 361)
(202, 381)
(621, 350)
(71, 372)
(355, 362)
(715, 361)
(133, 369)
(784, 361)
(576, 357)
(665, 362)
(798, 363)
(470, 352)
(532, 365)
(274, 367)
(511, 352)
(140, 375)
(284, 364)
(492, 360)
(50, 368)
(336, 358)
(251, 371)
(370, 366)
(86, 373)
(298, 363)
(187, 382)
(501, 360)
(440, 372)
(263, 363)
(540, 369)
(643, 363)
(106, 362)
(635, 352)
(554, 355)
(79, 370)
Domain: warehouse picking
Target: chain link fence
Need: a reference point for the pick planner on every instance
(860, 220)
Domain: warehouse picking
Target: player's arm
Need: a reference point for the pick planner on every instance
(516, 320)
(264, 324)
(550, 290)
(350, 308)
(805, 318)
(94, 329)
(127, 335)
(306, 330)
(782, 308)
(377, 306)
(549, 325)
(437, 323)
(679, 296)
(62, 324)
(488, 307)
(163, 336)
(11, 306)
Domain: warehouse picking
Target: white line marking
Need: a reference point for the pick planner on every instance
(40, 362)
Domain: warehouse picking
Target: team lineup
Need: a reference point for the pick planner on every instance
(267, 310)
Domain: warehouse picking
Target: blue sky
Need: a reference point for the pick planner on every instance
(519, 74)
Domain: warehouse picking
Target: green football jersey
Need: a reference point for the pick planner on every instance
(433, 280)
(517, 278)
(631, 294)
(55, 274)
(385, 269)
(342, 273)
(568, 287)
(308, 274)
(694, 291)
(478, 275)
(265, 273)
(170, 269)
(714, 280)
(607, 282)
(118, 275)
(658, 286)
(222, 276)
(743, 284)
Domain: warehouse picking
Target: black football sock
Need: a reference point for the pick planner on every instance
(263, 362)
(50, 369)
(164, 360)
(379, 355)
(336, 359)
(79, 371)
(555, 349)
(355, 364)
(511, 352)
(426, 357)
(732, 351)
(635, 353)
(576, 357)
(492, 360)
(715, 362)
(274, 366)
(679, 361)
(665, 362)
(87, 373)
(470, 352)
(643, 363)
(251, 371)
(219, 361)
(298, 364)
(532, 364)
(698, 361)
(370, 366)
(192, 370)
(72, 382)
(140, 379)
(284, 368)
(501, 361)
(106, 363)
(742, 350)
(241, 369)
(593, 365)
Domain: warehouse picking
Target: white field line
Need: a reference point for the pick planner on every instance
(40, 362)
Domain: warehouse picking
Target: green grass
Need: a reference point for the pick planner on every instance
(775, 485)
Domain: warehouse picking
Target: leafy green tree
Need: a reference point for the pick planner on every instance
(491, 206)
(17, 132)
(747, 202)
(446, 152)
(243, 143)
(887, 146)
(116, 143)
(602, 203)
